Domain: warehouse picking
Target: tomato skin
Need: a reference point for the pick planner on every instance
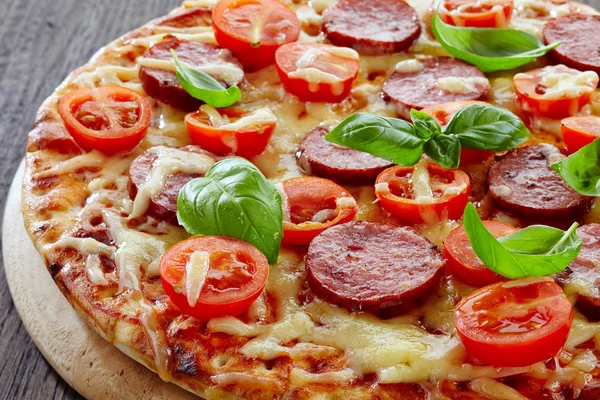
(286, 59)
(313, 194)
(475, 16)
(239, 40)
(114, 139)
(461, 261)
(444, 112)
(249, 142)
(212, 304)
(578, 132)
(411, 212)
(530, 100)
(480, 318)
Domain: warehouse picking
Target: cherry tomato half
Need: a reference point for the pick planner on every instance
(395, 190)
(475, 13)
(110, 119)
(237, 274)
(444, 112)
(312, 205)
(579, 131)
(231, 131)
(555, 91)
(463, 263)
(254, 29)
(515, 323)
(317, 72)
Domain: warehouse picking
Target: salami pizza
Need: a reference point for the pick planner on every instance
(383, 199)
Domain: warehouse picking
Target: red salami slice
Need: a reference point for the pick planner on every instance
(428, 81)
(372, 27)
(583, 274)
(372, 265)
(578, 48)
(188, 18)
(163, 84)
(343, 165)
(163, 206)
(522, 183)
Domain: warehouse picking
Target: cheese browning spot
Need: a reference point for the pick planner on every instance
(196, 271)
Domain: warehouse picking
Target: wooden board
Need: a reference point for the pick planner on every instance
(92, 366)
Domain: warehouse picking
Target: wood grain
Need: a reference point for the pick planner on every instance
(41, 41)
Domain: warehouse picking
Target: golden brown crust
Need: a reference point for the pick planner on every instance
(57, 205)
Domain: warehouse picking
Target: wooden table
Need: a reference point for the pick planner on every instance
(41, 41)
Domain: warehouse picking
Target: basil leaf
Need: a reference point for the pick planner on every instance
(490, 49)
(581, 170)
(204, 87)
(444, 150)
(425, 124)
(392, 139)
(516, 256)
(487, 127)
(535, 239)
(233, 199)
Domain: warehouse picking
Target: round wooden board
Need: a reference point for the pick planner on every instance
(92, 366)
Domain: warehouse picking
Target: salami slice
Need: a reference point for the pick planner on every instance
(188, 18)
(372, 27)
(343, 165)
(522, 183)
(370, 265)
(424, 82)
(163, 85)
(578, 48)
(162, 206)
(583, 275)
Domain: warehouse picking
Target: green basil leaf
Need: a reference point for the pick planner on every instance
(515, 256)
(204, 87)
(487, 127)
(581, 170)
(444, 150)
(233, 199)
(535, 239)
(392, 139)
(491, 49)
(425, 124)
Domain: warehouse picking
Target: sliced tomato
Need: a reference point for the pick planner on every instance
(476, 13)
(546, 92)
(579, 131)
(312, 205)
(515, 323)
(254, 29)
(237, 274)
(463, 263)
(444, 112)
(398, 193)
(231, 131)
(110, 119)
(316, 71)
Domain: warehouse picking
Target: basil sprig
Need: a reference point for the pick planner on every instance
(537, 250)
(491, 49)
(204, 87)
(477, 127)
(234, 199)
(581, 170)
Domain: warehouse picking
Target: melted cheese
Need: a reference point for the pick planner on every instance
(494, 389)
(223, 71)
(460, 85)
(561, 83)
(196, 271)
(169, 161)
(421, 184)
(93, 270)
(93, 159)
(409, 66)
(262, 116)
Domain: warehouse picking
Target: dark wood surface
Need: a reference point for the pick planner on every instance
(41, 41)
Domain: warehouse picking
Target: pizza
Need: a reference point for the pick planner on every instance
(334, 199)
